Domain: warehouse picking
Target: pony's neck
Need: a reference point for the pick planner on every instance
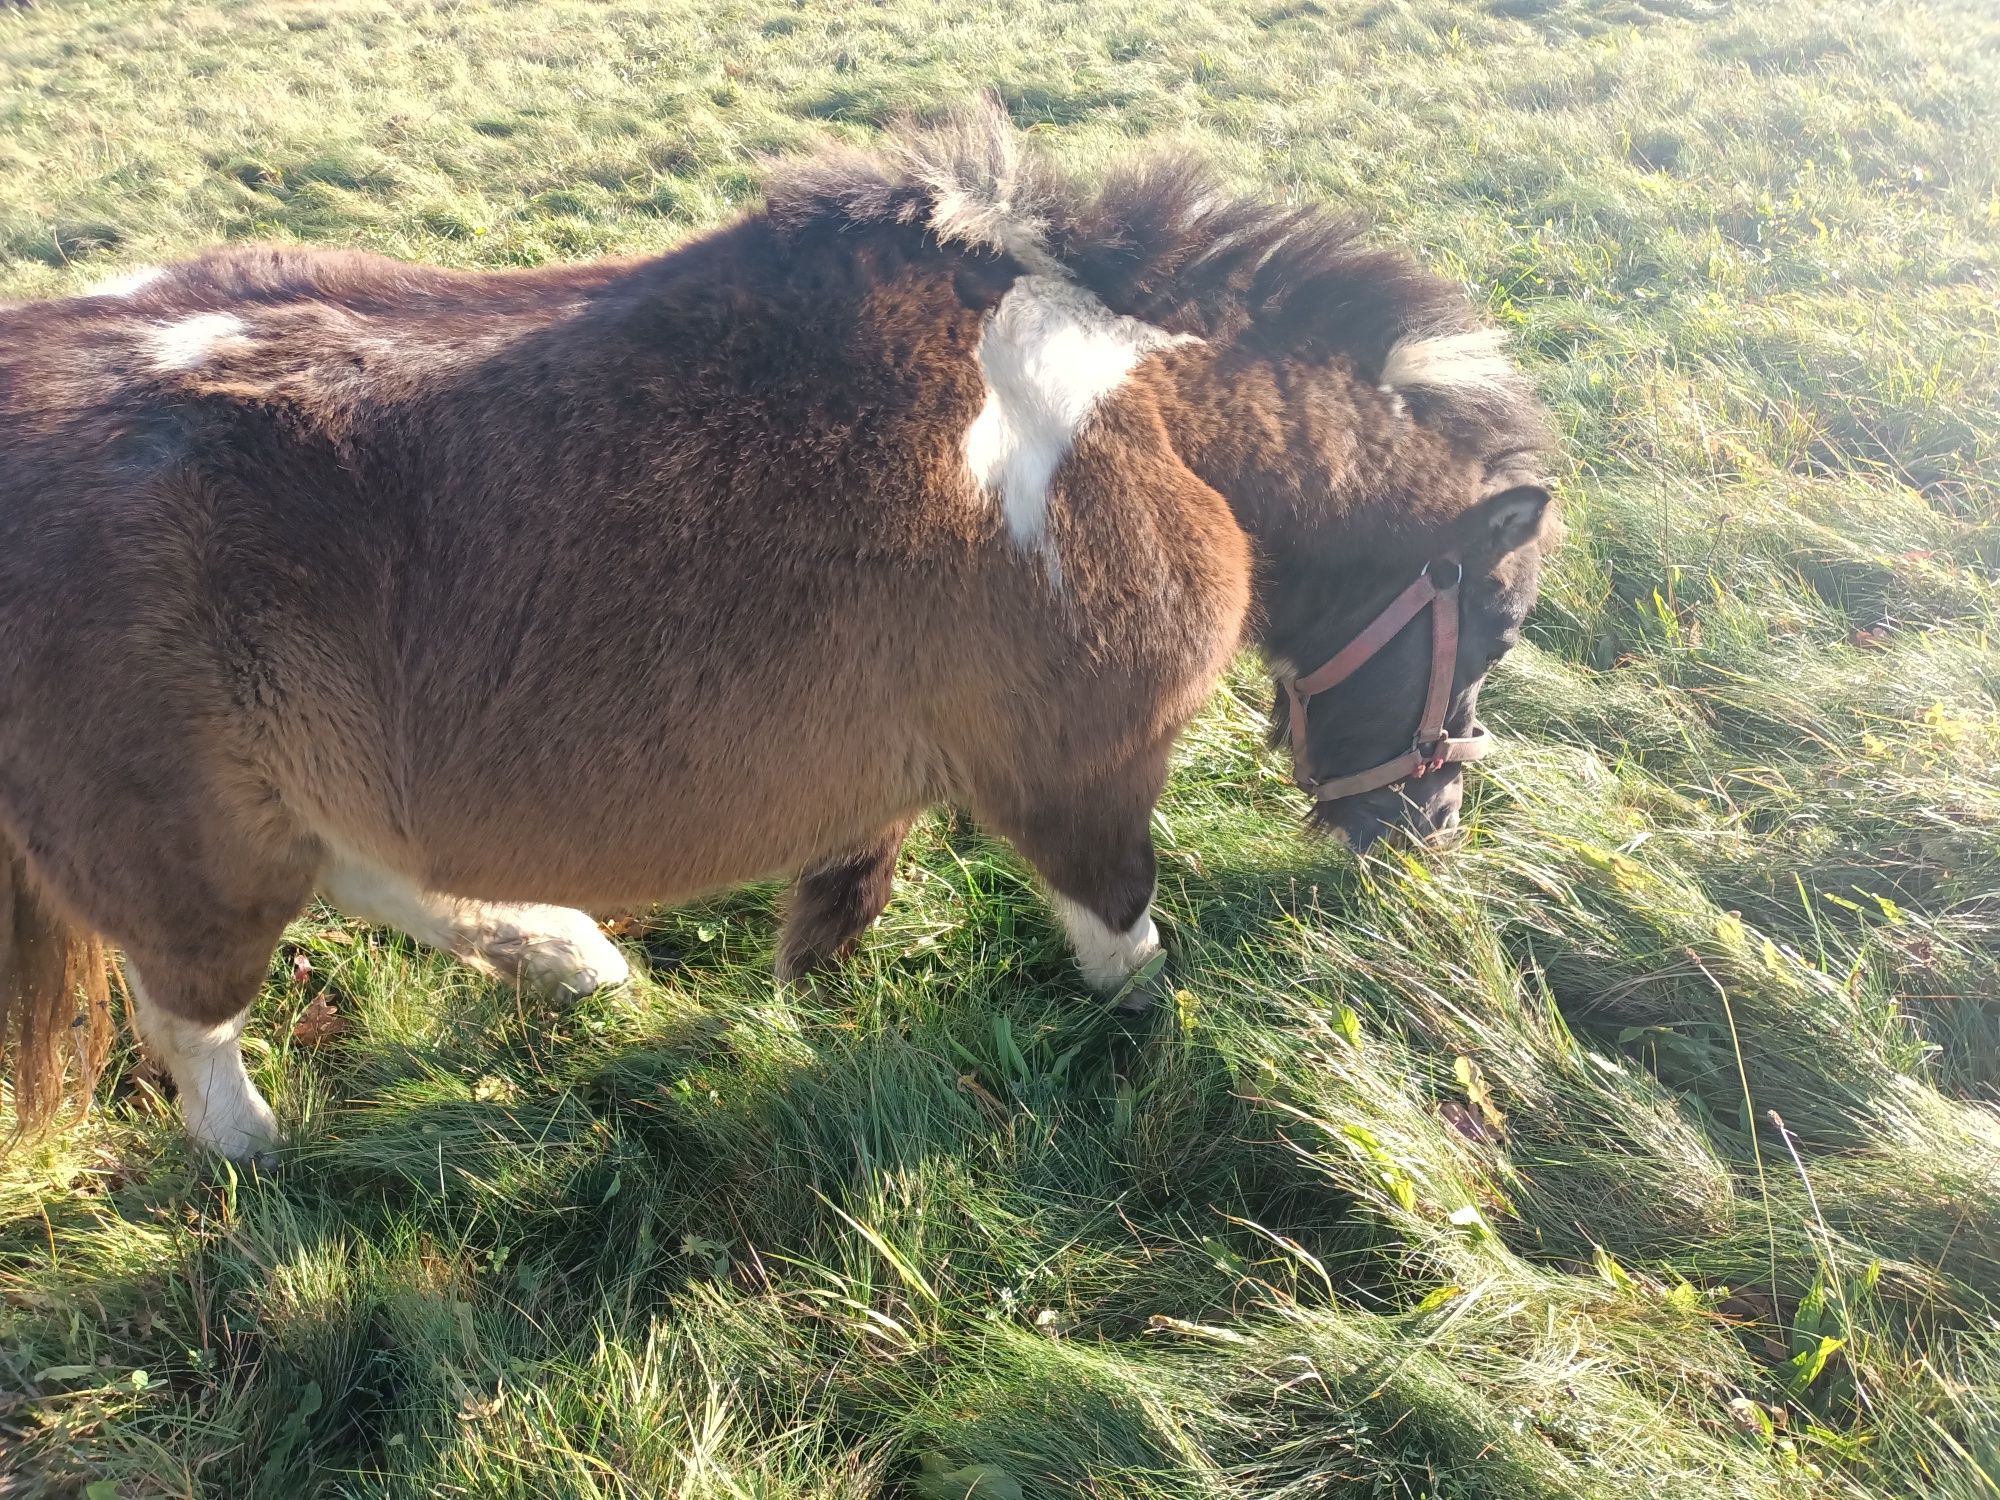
(1230, 422)
(1313, 474)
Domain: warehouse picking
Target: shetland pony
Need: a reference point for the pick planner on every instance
(473, 601)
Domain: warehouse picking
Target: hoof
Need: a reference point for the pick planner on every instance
(1113, 962)
(566, 968)
(569, 958)
(244, 1131)
(1138, 992)
(805, 968)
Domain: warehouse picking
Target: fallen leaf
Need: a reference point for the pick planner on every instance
(1465, 1122)
(1607, 1267)
(1437, 1298)
(318, 1022)
(302, 968)
(1479, 1094)
(1749, 1307)
(490, 1088)
(971, 1084)
(1752, 1418)
(476, 1408)
(64, 1372)
(1161, 1323)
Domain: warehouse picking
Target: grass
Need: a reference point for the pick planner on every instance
(1644, 1145)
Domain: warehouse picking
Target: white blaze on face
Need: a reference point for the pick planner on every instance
(187, 342)
(1052, 354)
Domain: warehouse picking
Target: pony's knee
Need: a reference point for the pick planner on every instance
(829, 911)
(833, 903)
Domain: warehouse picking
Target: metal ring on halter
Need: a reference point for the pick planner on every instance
(1457, 573)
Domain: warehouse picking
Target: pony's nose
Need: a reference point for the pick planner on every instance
(1421, 810)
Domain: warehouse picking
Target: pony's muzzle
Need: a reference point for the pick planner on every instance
(1422, 809)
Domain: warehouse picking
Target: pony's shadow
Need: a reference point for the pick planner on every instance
(565, 1160)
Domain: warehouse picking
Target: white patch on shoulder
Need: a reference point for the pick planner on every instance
(1449, 361)
(186, 343)
(1052, 354)
(1107, 958)
(127, 283)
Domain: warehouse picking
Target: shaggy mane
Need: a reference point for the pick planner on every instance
(1168, 242)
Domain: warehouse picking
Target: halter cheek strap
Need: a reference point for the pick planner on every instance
(1432, 749)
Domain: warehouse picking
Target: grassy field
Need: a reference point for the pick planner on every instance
(1644, 1145)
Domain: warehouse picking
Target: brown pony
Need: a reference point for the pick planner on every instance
(940, 478)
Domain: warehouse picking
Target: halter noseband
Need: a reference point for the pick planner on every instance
(1432, 749)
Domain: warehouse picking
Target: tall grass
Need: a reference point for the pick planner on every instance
(1643, 1144)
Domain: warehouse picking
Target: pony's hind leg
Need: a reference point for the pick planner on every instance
(191, 1021)
(833, 903)
(194, 967)
(552, 949)
(195, 889)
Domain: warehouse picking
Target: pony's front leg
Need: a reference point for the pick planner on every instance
(1093, 844)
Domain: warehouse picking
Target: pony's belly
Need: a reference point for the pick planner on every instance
(599, 850)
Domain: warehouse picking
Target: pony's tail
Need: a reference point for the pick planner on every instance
(55, 1005)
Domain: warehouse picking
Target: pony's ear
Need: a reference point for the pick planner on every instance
(1509, 519)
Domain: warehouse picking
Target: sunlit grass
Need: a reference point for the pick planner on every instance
(1645, 1144)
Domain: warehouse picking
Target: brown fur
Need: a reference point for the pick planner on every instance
(622, 582)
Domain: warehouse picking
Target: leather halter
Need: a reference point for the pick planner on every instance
(1432, 749)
